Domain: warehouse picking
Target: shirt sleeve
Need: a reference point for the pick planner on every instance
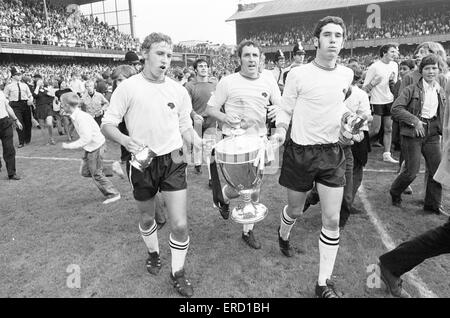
(275, 94)
(289, 98)
(7, 92)
(184, 112)
(117, 107)
(28, 93)
(219, 97)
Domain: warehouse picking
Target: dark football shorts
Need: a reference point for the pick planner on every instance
(382, 109)
(304, 165)
(163, 174)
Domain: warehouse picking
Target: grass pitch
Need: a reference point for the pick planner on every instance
(53, 218)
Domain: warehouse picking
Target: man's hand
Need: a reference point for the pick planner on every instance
(18, 124)
(279, 136)
(197, 118)
(131, 145)
(420, 130)
(232, 120)
(376, 80)
(392, 76)
(272, 112)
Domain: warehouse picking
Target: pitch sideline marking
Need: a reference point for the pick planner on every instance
(108, 160)
(57, 158)
(412, 276)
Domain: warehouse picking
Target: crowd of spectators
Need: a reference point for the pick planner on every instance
(26, 22)
(412, 21)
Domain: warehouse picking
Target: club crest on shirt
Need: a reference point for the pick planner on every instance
(171, 105)
(264, 94)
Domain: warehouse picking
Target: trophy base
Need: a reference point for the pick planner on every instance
(250, 213)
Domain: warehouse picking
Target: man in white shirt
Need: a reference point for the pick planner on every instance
(381, 97)
(246, 96)
(92, 141)
(314, 99)
(157, 111)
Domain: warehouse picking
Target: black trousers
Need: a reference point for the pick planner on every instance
(9, 152)
(23, 113)
(409, 254)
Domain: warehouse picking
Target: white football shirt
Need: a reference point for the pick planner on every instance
(314, 98)
(156, 114)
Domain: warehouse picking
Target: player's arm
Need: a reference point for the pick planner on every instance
(371, 80)
(287, 105)
(215, 103)
(185, 123)
(114, 116)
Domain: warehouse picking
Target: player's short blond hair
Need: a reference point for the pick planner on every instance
(70, 99)
(155, 37)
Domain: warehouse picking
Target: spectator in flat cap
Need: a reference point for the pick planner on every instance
(131, 58)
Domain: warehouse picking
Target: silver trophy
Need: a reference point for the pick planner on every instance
(142, 158)
(241, 161)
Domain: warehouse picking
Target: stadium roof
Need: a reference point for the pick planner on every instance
(279, 7)
(67, 2)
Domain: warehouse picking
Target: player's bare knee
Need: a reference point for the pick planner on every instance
(147, 222)
(331, 223)
(179, 231)
(295, 211)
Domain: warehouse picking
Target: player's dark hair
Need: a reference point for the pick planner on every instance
(200, 60)
(385, 48)
(246, 43)
(329, 19)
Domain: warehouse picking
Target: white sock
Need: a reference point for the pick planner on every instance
(286, 224)
(208, 161)
(248, 227)
(178, 251)
(150, 237)
(328, 247)
(225, 198)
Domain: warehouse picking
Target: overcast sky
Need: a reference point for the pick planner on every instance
(185, 20)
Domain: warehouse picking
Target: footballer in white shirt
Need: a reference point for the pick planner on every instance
(313, 99)
(246, 96)
(156, 111)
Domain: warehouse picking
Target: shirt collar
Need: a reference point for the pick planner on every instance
(435, 85)
(75, 113)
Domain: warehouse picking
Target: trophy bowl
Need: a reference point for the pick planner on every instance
(236, 158)
(142, 158)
